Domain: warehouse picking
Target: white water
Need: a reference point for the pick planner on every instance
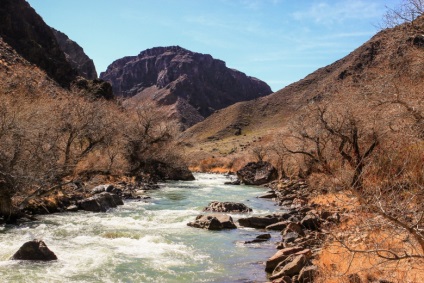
(145, 241)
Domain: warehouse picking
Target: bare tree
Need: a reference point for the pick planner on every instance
(324, 132)
(259, 152)
(146, 138)
(354, 144)
(406, 12)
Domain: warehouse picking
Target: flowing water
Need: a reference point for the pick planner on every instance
(145, 241)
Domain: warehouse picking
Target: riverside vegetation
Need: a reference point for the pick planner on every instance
(347, 143)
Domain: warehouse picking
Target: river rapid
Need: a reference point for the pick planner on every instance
(145, 241)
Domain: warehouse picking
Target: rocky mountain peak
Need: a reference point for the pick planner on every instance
(156, 51)
(173, 75)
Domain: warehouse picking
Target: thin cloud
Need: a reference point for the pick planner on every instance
(331, 13)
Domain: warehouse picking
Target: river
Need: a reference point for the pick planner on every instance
(145, 241)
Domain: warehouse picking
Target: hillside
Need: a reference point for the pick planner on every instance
(191, 86)
(390, 61)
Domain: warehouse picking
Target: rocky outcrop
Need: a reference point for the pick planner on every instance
(213, 222)
(217, 206)
(34, 250)
(75, 56)
(26, 32)
(195, 84)
(257, 173)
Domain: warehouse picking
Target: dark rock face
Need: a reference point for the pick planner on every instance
(217, 206)
(257, 173)
(100, 202)
(25, 31)
(75, 56)
(34, 250)
(213, 222)
(194, 82)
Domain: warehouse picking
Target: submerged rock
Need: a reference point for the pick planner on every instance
(217, 206)
(259, 239)
(213, 222)
(34, 250)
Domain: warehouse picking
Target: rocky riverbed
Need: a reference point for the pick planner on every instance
(295, 225)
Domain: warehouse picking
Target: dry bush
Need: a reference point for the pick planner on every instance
(371, 146)
(150, 144)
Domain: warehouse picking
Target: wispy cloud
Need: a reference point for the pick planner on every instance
(251, 4)
(237, 26)
(325, 12)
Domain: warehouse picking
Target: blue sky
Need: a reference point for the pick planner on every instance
(277, 41)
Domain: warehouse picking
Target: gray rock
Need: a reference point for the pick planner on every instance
(213, 222)
(100, 202)
(217, 206)
(260, 221)
(34, 250)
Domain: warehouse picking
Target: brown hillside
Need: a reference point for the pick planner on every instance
(390, 61)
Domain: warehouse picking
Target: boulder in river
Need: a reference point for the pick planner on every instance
(257, 173)
(100, 202)
(34, 250)
(261, 221)
(217, 206)
(213, 222)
